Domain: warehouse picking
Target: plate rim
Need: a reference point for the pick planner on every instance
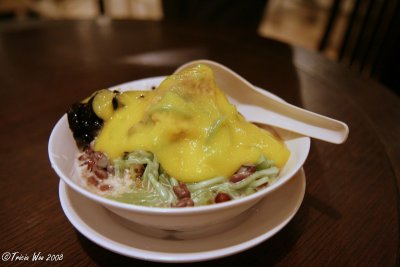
(165, 257)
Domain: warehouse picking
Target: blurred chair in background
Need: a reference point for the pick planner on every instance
(48, 9)
(19, 9)
(370, 44)
(236, 13)
(131, 9)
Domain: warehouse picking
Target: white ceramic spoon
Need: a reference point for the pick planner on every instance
(257, 106)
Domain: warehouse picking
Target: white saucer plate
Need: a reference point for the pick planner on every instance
(103, 228)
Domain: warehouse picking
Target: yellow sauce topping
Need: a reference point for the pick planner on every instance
(189, 125)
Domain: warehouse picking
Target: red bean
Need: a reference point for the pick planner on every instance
(90, 164)
(181, 191)
(105, 187)
(222, 197)
(83, 157)
(100, 173)
(91, 180)
(184, 202)
(243, 172)
(139, 170)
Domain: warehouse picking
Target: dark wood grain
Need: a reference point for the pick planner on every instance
(350, 214)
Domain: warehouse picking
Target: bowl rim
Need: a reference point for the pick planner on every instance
(171, 210)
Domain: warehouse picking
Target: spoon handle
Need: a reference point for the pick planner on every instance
(298, 120)
(257, 106)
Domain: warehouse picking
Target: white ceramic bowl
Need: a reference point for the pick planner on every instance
(63, 151)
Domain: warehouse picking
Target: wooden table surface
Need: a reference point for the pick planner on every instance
(350, 213)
